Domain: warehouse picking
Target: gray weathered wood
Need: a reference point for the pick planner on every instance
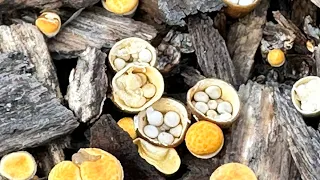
(317, 59)
(173, 12)
(97, 28)
(6, 5)
(88, 85)
(28, 39)
(191, 76)
(257, 138)
(30, 115)
(244, 39)
(316, 2)
(304, 141)
(212, 53)
(301, 9)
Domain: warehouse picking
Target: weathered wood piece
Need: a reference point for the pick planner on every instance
(212, 53)
(244, 38)
(97, 28)
(317, 59)
(182, 41)
(30, 115)
(300, 40)
(304, 141)
(257, 138)
(173, 12)
(316, 2)
(301, 9)
(276, 36)
(28, 39)
(191, 76)
(107, 135)
(88, 85)
(45, 4)
(47, 157)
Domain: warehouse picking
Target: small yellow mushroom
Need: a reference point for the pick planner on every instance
(49, 23)
(276, 58)
(127, 125)
(233, 171)
(310, 46)
(65, 170)
(121, 7)
(18, 166)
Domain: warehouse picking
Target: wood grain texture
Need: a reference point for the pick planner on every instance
(316, 2)
(191, 76)
(107, 135)
(244, 39)
(173, 12)
(28, 39)
(88, 85)
(45, 4)
(97, 28)
(30, 115)
(317, 59)
(257, 138)
(304, 141)
(212, 53)
(301, 9)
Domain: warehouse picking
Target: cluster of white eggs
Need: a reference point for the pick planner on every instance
(242, 2)
(132, 52)
(163, 127)
(309, 95)
(209, 103)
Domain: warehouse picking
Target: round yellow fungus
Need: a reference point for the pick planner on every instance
(276, 57)
(234, 171)
(127, 125)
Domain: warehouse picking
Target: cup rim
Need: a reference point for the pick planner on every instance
(293, 94)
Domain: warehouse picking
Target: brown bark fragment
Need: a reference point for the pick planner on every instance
(301, 9)
(244, 38)
(212, 53)
(97, 28)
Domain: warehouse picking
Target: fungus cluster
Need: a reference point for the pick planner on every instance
(131, 50)
(163, 126)
(308, 95)
(88, 164)
(276, 57)
(209, 102)
(135, 89)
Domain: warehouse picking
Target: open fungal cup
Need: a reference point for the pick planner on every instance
(131, 50)
(306, 97)
(65, 170)
(204, 139)
(127, 125)
(240, 8)
(233, 171)
(164, 123)
(121, 7)
(49, 23)
(214, 100)
(18, 166)
(88, 164)
(137, 87)
(165, 160)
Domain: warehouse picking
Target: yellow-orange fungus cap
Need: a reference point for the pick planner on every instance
(203, 138)
(65, 170)
(127, 125)
(107, 167)
(276, 57)
(18, 166)
(121, 6)
(47, 26)
(233, 171)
